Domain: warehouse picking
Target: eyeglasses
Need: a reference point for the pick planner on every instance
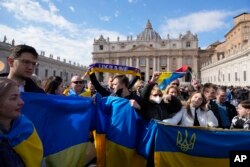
(160, 95)
(77, 82)
(28, 62)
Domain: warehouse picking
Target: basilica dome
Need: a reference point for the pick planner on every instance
(148, 34)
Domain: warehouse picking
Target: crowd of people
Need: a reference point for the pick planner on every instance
(197, 104)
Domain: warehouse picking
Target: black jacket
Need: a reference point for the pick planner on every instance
(104, 91)
(231, 112)
(151, 110)
(30, 85)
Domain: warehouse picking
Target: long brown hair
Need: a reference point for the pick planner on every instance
(52, 84)
(245, 104)
(202, 106)
(5, 86)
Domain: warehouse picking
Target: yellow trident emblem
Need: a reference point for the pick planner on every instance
(183, 143)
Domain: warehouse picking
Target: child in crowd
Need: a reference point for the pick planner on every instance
(242, 120)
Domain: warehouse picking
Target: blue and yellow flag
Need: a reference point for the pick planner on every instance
(166, 78)
(113, 68)
(177, 146)
(25, 141)
(121, 133)
(63, 124)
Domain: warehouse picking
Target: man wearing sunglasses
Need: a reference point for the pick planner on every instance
(77, 88)
(22, 62)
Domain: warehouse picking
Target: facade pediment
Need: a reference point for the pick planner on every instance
(142, 48)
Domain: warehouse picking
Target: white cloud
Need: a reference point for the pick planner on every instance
(204, 21)
(29, 10)
(117, 13)
(53, 8)
(72, 8)
(53, 42)
(75, 44)
(105, 18)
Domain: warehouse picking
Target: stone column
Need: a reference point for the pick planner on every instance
(137, 62)
(195, 66)
(127, 61)
(168, 63)
(147, 69)
(158, 67)
(117, 60)
(154, 64)
(130, 61)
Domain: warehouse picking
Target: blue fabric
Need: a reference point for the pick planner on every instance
(72, 92)
(122, 125)
(206, 143)
(20, 130)
(169, 79)
(229, 96)
(61, 121)
(223, 115)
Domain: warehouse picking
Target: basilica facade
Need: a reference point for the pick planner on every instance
(149, 52)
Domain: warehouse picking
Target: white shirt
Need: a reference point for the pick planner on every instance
(205, 118)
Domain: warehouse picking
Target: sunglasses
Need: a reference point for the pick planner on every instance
(77, 82)
(160, 95)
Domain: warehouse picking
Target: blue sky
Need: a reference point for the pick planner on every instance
(67, 28)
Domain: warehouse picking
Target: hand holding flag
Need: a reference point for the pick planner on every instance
(166, 78)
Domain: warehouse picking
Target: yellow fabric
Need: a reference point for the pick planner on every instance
(66, 91)
(117, 155)
(177, 159)
(86, 93)
(110, 154)
(130, 72)
(100, 144)
(163, 76)
(31, 150)
(74, 156)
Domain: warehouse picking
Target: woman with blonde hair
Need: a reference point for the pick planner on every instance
(19, 143)
(139, 84)
(154, 104)
(173, 90)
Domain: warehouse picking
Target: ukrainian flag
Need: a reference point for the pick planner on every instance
(113, 68)
(25, 141)
(121, 133)
(166, 78)
(63, 124)
(178, 146)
